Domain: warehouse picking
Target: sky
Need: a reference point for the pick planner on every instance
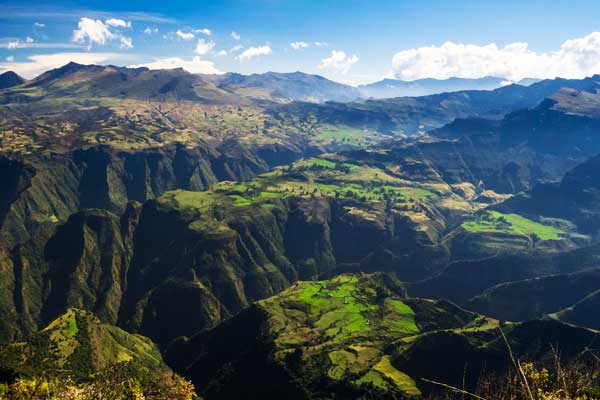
(350, 41)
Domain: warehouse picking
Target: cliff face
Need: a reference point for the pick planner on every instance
(49, 188)
(167, 270)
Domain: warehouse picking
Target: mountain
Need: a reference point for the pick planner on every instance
(411, 115)
(92, 81)
(565, 123)
(219, 249)
(285, 87)
(77, 356)
(574, 198)
(9, 79)
(388, 88)
(582, 313)
(464, 279)
(356, 337)
(534, 298)
(528, 81)
(78, 344)
(315, 339)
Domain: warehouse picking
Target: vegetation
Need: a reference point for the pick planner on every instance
(121, 382)
(496, 222)
(573, 381)
(335, 332)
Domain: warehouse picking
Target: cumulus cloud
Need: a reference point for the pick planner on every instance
(338, 62)
(204, 46)
(236, 48)
(13, 45)
(10, 59)
(185, 35)
(92, 31)
(299, 45)
(235, 36)
(118, 23)
(221, 53)
(252, 52)
(39, 25)
(126, 43)
(149, 31)
(320, 44)
(196, 65)
(29, 40)
(576, 58)
(203, 31)
(39, 63)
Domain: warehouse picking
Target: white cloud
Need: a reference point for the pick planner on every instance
(204, 46)
(149, 31)
(299, 45)
(92, 32)
(196, 65)
(36, 64)
(118, 23)
(185, 35)
(221, 53)
(203, 31)
(338, 62)
(17, 44)
(235, 36)
(252, 52)
(29, 40)
(236, 48)
(126, 43)
(320, 44)
(576, 58)
(10, 59)
(39, 24)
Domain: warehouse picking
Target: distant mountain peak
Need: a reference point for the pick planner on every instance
(388, 87)
(9, 79)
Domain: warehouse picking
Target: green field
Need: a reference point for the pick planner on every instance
(343, 135)
(496, 222)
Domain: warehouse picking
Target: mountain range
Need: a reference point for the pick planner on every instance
(277, 235)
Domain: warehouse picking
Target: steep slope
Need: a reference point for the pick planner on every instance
(9, 79)
(355, 337)
(460, 357)
(534, 298)
(78, 344)
(464, 279)
(554, 127)
(47, 188)
(576, 197)
(583, 313)
(316, 339)
(216, 251)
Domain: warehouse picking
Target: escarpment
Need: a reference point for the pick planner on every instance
(48, 188)
(166, 269)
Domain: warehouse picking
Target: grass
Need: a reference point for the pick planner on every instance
(342, 309)
(400, 317)
(343, 135)
(496, 222)
(399, 379)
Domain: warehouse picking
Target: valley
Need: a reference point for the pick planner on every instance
(236, 229)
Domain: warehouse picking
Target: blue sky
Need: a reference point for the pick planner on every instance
(349, 41)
